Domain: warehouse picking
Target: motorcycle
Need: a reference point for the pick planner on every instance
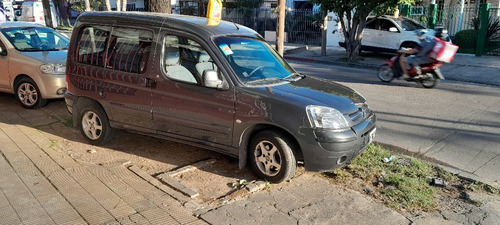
(429, 75)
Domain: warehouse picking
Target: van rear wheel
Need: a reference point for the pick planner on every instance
(271, 156)
(94, 124)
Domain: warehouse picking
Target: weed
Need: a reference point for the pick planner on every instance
(52, 143)
(67, 121)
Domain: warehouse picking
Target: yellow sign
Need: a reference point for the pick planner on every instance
(214, 13)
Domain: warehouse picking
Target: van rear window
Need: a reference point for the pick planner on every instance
(122, 49)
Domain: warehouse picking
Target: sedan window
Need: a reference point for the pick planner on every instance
(35, 39)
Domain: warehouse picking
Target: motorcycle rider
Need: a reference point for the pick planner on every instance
(418, 56)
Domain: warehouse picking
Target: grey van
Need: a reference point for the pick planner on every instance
(221, 87)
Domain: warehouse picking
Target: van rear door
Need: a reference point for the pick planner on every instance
(111, 67)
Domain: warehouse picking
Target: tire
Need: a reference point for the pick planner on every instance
(271, 156)
(28, 94)
(430, 82)
(94, 124)
(409, 45)
(385, 74)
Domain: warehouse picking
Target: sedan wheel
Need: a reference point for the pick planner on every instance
(272, 157)
(28, 95)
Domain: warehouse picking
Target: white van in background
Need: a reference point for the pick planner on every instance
(32, 11)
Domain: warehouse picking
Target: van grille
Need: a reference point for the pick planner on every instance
(360, 114)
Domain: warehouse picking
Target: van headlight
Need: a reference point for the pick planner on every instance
(53, 68)
(326, 117)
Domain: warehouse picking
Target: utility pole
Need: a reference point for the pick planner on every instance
(281, 27)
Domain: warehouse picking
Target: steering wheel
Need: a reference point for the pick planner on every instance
(255, 70)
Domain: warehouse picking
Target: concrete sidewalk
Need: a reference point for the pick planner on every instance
(41, 184)
(464, 67)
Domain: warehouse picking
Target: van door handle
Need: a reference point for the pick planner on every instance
(147, 82)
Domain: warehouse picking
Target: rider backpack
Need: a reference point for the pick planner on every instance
(443, 51)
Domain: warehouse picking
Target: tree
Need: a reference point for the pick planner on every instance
(352, 16)
(162, 6)
(47, 13)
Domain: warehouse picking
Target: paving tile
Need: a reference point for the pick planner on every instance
(9, 216)
(59, 209)
(158, 216)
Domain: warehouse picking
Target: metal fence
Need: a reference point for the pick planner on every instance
(300, 25)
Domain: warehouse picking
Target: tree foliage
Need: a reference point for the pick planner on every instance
(352, 17)
(248, 4)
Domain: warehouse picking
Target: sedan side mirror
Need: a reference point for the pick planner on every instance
(3, 52)
(393, 29)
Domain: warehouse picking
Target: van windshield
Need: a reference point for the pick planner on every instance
(255, 62)
(35, 39)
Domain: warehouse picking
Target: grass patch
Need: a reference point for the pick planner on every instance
(67, 120)
(400, 183)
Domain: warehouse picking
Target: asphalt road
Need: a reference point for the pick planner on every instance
(455, 125)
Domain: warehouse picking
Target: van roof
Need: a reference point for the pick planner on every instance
(147, 19)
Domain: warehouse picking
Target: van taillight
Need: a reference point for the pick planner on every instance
(67, 83)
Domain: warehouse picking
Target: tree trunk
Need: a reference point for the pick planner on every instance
(47, 13)
(124, 5)
(118, 5)
(353, 33)
(162, 6)
(108, 5)
(87, 5)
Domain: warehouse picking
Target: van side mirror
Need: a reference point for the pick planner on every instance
(393, 29)
(211, 79)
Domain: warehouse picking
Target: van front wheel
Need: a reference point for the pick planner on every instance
(94, 125)
(271, 156)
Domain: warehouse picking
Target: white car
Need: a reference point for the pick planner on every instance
(388, 34)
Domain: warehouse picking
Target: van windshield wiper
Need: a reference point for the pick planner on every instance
(294, 77)
(290, 78)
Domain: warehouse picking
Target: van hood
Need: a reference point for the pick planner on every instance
(317, 91)
(46, 57)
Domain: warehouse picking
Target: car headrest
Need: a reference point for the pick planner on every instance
(173, 56)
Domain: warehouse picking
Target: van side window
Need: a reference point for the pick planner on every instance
(184, 59)
(92, 45)
(122, 49)
(129, 50)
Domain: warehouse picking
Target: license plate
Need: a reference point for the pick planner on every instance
(371, 136)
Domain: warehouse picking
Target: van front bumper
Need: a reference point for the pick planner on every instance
(330, 150)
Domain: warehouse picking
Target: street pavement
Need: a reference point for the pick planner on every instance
(41, 184)
(469, 146)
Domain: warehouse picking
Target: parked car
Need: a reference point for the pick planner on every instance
(32, 62)
(32, 11)
(388, 34)
(220, 86)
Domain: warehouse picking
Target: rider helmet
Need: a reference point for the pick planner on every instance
(441, 33)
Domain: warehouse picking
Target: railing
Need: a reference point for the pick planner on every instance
(300, 25)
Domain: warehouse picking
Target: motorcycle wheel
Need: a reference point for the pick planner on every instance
(430, 82)
(385, 74)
